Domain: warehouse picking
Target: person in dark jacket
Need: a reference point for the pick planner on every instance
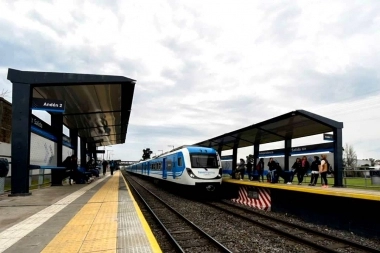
(272, 169)
(67, 163)
(249, 169)
(104, 164)
(272, 164)
(112, 166)
(296, 168)
(314, 171)
(304, 167)
(241, 169)
(260, 169)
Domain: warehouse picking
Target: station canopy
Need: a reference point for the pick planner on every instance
(292, 125)
(98, 106)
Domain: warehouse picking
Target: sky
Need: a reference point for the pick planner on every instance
(205, 68)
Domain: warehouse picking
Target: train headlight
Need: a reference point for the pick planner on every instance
(190, 172)
(220, 173)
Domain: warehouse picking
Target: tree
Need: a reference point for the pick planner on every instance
(4, 93)
(373, 162)
(146, 153)
(349, 157)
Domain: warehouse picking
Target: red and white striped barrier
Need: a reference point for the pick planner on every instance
(262, 202)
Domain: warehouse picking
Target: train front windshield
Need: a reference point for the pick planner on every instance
(204, 161)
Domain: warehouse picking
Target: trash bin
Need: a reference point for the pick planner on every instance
(375, 177)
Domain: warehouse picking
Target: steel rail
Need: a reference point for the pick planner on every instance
(218, 244)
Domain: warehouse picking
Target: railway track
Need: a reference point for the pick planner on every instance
(322, 242)
(184, 235)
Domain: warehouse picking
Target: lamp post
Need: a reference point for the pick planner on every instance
(171, 146)
(108, 154)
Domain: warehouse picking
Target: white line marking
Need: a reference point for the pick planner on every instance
(15, 233)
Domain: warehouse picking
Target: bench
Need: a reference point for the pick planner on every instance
(58, 173)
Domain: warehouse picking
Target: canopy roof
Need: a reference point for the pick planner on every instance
(98, 106)
(292, 125)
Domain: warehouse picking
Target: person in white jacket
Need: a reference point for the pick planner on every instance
(323, 170)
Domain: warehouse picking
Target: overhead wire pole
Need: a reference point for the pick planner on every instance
(161, 151)
(171, 146)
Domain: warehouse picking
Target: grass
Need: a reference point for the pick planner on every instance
(355, 182)
(34, 183)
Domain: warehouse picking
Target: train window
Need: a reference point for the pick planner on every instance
(179, 161)
(203, 161)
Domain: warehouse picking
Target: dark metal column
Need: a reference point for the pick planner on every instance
(288, 150)
(57, 124)
(74, 140)
(220, 148)
(234, 156)
(338, 158)
(21, 98)
(256, 150)
(83, 152)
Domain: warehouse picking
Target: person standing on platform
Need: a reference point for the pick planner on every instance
(241, 168)
(296, 168)
(260, 169)
(112, 167)
(323, 170)
(272, 169)
(304, 167)
(104, 164)
(249, 170)
(314, 171)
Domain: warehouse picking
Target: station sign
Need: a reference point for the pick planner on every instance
(37, 122)
(328, 137)
(324, 147)
(273, 152)
(49, 105)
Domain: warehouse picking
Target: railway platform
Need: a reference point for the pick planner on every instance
(98, 217)
(355, 210)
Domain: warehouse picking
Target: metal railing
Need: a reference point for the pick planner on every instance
(36, 181)
(360, 178)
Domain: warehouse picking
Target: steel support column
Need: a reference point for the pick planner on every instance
(338, 158)
(220, 150)
(234, 156)
(288, 150)
(256, 150)
(74, 140)
(21, 120)
(57, 124)
(83, 152)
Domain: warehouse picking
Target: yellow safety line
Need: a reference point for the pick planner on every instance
(322, 191)
(152, 239)
(94, 227)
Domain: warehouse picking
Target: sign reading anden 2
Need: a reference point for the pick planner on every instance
(48, 105)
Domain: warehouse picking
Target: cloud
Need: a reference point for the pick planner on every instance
(206, 68)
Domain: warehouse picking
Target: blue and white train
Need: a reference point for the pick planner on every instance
(186, 165)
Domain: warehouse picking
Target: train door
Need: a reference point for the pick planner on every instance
(164, 172)
(148, 168)
(173, 165)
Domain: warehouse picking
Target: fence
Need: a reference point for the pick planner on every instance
(36, 180)
(360, 178)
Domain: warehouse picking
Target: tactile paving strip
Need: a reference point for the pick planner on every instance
(13, 234)
(97, 218)
(133, 236)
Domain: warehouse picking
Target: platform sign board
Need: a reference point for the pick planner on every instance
(49, 105)
(328, 137)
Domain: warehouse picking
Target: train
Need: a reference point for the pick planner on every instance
(193, 166)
